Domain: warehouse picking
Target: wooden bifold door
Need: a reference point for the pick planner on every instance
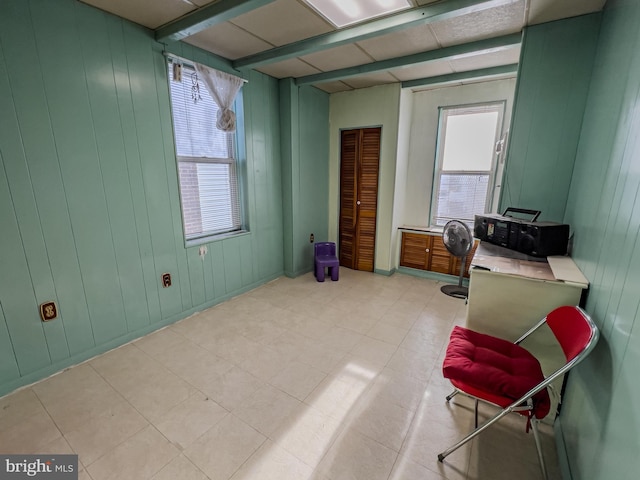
(359, 165)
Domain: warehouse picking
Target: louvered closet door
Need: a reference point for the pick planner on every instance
(360, 159)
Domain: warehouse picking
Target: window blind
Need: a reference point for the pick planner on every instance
(206, 160)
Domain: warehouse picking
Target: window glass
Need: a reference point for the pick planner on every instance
(465, 162)
(207, 167)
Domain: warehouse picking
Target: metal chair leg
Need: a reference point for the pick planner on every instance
(453, 394)
(536, 436)
(475, 433)
(475, 425)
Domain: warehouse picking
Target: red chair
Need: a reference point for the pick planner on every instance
(504, 374)
(325, 257)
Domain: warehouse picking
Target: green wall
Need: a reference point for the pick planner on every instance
(89, 206)
(600, 420)
(305, 172)
(553, 81)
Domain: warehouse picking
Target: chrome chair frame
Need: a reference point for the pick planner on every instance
(525, 403)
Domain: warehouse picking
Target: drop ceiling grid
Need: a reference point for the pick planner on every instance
(228, 41)
(283, 22)
(507, 56)
(294, 67)
(149, 13)
(338, 57)
(489, 23)
(397, 44)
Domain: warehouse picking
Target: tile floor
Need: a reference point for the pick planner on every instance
(295, 380)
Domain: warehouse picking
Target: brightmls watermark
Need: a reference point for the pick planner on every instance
(49, 467)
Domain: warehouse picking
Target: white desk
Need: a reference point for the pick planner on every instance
(509, 293)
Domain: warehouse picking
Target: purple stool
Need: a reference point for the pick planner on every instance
(325, 256)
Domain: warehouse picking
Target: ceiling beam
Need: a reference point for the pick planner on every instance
(205, 17)
(480, 74)
(449, 53)
(435, 12)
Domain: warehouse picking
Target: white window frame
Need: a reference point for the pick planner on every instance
(443, 114)
(235, 199)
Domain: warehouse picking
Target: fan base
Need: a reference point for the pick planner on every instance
(455, 291)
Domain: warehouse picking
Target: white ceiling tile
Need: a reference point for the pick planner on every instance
(282, 22)
(370, 80)
(339, 57)
(424, 70)
(288, 68)
(493, 22)
(333, 87)
(228, 41)
(493, 59)
(397, 44)
(150, 13)
(542, 11)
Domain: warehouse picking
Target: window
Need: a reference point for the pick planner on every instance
(465, 162)
(207, 164)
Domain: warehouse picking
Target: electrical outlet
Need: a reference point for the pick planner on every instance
(48, 311)
(166, 280)
(311, 238)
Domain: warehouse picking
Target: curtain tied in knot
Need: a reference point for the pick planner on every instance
(223, 88)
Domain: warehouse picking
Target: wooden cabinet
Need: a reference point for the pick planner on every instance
(426, 251)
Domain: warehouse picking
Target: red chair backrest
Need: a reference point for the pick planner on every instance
(573, 329)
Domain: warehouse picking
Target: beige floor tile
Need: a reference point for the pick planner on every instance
(267, 409)
(364, 354)
(75, 396)
(387, 333)
(186, 422)
(322, 357)
(140, 457)
(355, 456)
(194, 364)
(18, 406)
(180, 468)
(232, 388)
(405, 469)
(336, 397)
(298, 379)
(29, 435)
(417, 364)
(309, 435)
(341, 339)
(374, 350)
(386, 423)
(157, 343)
(224, 448)
(271, 462)
(291, 344)
(398, 389)
(101, 433)
(266, 363)
(152, 389)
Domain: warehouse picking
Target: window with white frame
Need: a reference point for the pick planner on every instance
(465, 162)
(207, 160)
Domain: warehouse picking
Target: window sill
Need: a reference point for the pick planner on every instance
(194, 242)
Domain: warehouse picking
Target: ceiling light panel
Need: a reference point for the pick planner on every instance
(347, 12)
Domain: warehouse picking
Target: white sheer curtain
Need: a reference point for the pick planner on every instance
(223, 88)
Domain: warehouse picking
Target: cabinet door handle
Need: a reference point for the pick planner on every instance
(426, 250)
(358, 202)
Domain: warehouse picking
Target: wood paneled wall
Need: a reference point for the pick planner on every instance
(89, 202)
(551, 92)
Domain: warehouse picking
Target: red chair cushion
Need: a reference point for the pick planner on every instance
(494, 369)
